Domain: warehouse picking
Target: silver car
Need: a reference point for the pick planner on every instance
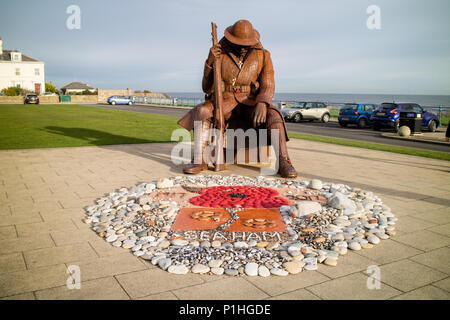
(306, 111)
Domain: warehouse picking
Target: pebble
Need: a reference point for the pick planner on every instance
(112, 238)
(155, 259)
(164, 183)
(373, 239)
(272, 246)
(252, 243)
(262, 244)
(315, 184)
(263, 271)
(366, 245)
(205, 244)
(382, 236)
(294, 267)
(179, 242)
(117, 243)
(251, 269)
(217, 271)
(164, 263)
(340, 201)
(305, 208)
(178, 269)
(128, 245)
(216, 244)
(310, 267)
(330, 261)
(240, 245)
(338, 237)
(294, 251)
(194, 244)
(164, 244)
(200, 268)
(231, 272)
(298, 257)
(354, 246)
(279, 272)
(215, 263)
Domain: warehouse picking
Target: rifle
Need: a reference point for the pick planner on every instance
(218, 111)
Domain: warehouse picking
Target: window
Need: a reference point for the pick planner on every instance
(299, 105)
(350, 107)
(17, 71)
(16, 57)
(36, 71)
(417, 108)
(368, 107)
(407, 107)
(309, 105)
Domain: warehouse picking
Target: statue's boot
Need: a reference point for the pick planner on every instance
(201, 141)
(285, 167)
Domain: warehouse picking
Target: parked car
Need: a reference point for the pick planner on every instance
(121, 100)
(306, 111)
(31, 98)
(282, 105)
(356, 113)
(388, 115)
(49, 94)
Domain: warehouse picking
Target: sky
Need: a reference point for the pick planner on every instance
(321, 46)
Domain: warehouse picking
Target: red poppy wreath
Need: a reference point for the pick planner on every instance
(239, 197)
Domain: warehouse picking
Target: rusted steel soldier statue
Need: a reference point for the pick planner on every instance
(248, 88)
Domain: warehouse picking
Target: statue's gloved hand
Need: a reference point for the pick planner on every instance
(260, 114)
(214, 53)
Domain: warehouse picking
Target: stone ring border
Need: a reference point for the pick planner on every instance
(136, 219)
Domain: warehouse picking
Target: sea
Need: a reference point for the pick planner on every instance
(340, 98)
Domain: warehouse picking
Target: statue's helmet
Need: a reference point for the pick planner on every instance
(242, 33)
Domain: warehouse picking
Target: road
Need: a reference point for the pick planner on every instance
(331, 129)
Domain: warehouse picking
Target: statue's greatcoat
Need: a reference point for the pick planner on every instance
(244, 84)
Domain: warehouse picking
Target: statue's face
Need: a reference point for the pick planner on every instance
(237, 48)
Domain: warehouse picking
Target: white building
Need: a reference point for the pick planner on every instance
(19, 70)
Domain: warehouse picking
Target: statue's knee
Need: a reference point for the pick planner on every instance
(273, 117)
(204, 111)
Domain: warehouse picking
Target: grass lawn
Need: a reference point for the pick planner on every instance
(48, 126)
(373, 146)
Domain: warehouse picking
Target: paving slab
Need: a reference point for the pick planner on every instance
(438, 259)
(424, 240)
(232, 288)
(43, 193)
(425, 293)
(388, 251)
(98, 289)
(144, 283)
(407, 275)
(352, 287)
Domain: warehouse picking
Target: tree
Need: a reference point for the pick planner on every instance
(50, 88)
(15, 91)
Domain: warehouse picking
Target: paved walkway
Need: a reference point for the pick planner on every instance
(43, 192)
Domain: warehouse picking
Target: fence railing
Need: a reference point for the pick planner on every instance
(440, 111)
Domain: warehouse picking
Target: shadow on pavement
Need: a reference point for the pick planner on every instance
(95, 137)
(129, 145)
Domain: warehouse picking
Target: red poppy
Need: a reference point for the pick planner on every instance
(239, 196)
